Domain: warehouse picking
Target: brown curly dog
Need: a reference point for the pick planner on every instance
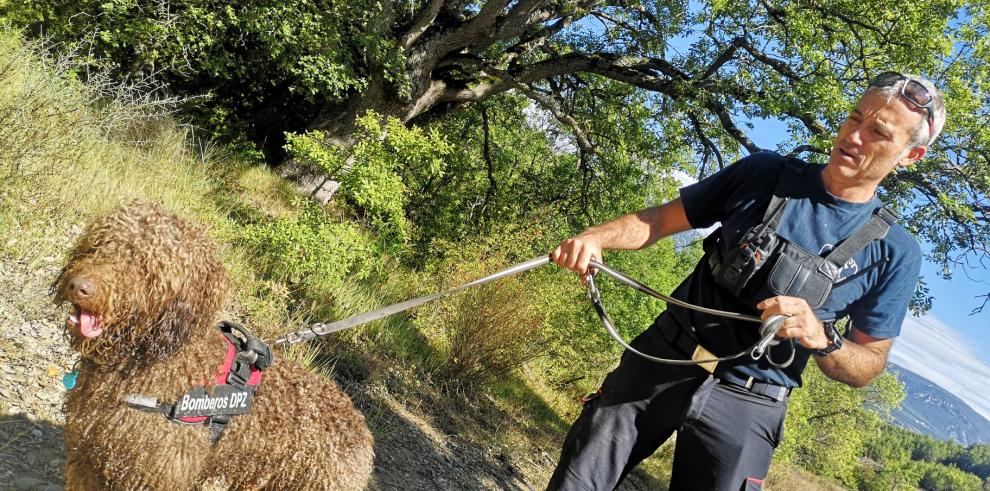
(146, 288)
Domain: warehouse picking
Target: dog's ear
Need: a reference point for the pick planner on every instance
(173, 329)
(195, 307)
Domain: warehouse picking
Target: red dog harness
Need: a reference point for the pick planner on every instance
(233, 390)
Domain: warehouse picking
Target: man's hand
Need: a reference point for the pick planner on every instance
(857, 363)
(632, 231)
(576, 252)
(801, 323)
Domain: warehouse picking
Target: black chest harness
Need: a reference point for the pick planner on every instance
(765, 264)
(233, 388)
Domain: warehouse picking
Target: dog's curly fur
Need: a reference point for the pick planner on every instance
(158, 286)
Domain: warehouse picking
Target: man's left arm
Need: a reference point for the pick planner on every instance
(860, 359)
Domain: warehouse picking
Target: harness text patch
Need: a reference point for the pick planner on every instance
(226, 399)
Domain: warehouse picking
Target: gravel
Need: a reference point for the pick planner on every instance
(33, 357)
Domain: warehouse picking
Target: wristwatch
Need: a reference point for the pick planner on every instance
(834, 339)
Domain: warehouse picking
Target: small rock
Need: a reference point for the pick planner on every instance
(26, 483)
(36, 433)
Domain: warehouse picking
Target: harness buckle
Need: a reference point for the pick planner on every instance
(142, 403)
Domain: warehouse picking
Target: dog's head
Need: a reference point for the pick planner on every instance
(140, 282)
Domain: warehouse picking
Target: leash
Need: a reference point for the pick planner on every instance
(321, 329)
(768, 328)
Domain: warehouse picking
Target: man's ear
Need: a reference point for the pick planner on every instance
(913, 155)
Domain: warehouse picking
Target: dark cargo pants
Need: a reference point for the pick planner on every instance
(726, 436)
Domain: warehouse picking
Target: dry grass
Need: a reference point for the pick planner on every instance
(488, 332)
(786, 477)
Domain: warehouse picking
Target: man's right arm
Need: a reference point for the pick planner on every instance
(632, 231)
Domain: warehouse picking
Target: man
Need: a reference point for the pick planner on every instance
(729, 421)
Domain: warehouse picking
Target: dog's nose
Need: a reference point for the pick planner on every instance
(81, 287)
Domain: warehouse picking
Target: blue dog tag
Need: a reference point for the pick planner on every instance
(69, 379)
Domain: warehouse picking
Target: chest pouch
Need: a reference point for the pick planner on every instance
(736, 268)
(764, 264)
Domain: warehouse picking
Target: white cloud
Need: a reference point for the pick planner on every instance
(936, 351)
(683, 178)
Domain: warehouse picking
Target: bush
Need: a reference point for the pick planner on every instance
(309, 248)
(490, 331)
(376, 177)
(949, 478)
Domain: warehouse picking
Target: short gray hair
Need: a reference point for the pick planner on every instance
(920, 137)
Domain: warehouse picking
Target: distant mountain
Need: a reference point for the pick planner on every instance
(931, 410)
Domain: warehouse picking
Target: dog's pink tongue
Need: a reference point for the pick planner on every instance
(89, 324)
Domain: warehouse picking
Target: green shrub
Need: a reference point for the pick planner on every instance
(374, 177)
(310, 248)
(489, 331)
(44, 121)
(949, 478)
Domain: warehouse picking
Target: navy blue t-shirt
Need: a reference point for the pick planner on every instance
(874, 288)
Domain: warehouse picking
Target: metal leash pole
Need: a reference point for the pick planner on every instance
(321, 329)
(767, 328)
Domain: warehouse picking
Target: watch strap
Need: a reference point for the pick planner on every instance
(834, 339)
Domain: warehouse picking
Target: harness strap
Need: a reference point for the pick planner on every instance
(234, 385)
(875, 228)
(794, 169)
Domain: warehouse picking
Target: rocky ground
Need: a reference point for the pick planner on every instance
(33, 357)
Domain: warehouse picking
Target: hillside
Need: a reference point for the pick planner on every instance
(931, 410)
(437, 424)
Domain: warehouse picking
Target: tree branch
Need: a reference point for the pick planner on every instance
(722, 59)
(486, 151)
(730, 126)
(708, 144)
(582, 139)
(778, 66)
(421, 24)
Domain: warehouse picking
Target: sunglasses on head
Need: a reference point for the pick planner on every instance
(912, 90)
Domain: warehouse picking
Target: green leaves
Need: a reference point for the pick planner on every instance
(311, 249)
(253, 58)
(829, 423)
(374, 172)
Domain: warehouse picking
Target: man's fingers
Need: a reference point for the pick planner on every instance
(576, 254)
(782, 305)
(790, 332)
(583, 259)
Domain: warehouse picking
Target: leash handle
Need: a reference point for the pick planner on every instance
(625, 280)
(768, 328)
(596, 301)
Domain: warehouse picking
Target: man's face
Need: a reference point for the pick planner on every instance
(873, 140)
